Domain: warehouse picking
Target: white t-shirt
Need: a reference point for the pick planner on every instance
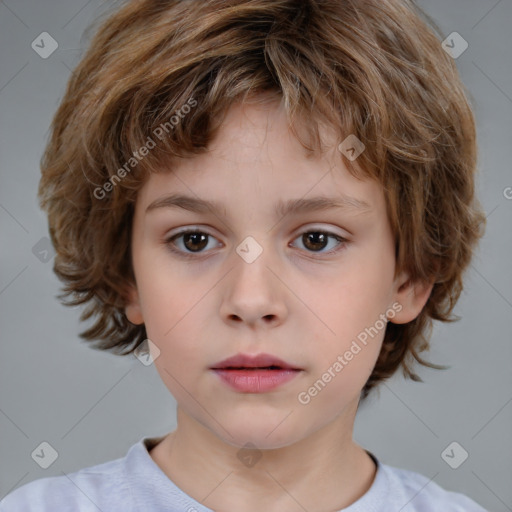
(136, 483)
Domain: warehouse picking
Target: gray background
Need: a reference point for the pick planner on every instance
(92, 406)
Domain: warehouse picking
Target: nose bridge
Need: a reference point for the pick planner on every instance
(253, 256)
(254, 292)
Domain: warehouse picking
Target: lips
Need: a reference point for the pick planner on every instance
(248, 362)
(255, 374)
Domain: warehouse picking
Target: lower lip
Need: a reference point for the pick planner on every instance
(256, 381)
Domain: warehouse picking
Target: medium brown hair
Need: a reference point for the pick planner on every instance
(371, 68)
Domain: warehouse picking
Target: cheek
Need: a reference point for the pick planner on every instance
(339, 376)
(350, 321)
(169, 294)
(182, 358)
(353, 299)
(174, 324)
(362, 291)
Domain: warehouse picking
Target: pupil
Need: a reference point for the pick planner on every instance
(197, 239)
(314, 236)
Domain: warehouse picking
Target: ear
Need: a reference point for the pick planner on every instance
(132, 309)
(412, 296)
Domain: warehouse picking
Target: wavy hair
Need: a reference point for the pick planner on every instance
(372, 68)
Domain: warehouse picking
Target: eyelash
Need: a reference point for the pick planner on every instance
(169, 242)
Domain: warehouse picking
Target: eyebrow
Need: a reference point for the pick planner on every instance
(282, 208)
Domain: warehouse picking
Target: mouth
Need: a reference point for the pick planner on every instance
(255, 374)
(258, 362)
(252, 368)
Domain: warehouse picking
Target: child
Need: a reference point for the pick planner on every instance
(321, 154)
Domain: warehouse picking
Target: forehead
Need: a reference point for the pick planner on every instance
(255, 155)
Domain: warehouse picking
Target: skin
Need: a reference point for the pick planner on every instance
(294, 301)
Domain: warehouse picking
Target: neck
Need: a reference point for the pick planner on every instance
(326, 471)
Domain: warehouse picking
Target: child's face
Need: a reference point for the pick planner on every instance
(294, 301)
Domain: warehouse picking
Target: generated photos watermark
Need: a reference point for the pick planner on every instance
(305, 397)
(158, 133)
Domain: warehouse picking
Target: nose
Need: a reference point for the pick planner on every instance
(254, 293)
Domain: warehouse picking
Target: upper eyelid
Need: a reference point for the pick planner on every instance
(169, 239)
(298, 231)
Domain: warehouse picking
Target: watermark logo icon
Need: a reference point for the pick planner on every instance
(249, 249)
(43, 250)
(146, 352)
(455, 45)
(249, 455)
(454, 455)
(44, 455)
(44, 45)
(351, 147)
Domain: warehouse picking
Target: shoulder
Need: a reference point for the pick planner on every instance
(90, 489)
(417, 493)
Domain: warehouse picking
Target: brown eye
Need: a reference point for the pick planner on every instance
(316, 241)
(188, 243)
(195, 241)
